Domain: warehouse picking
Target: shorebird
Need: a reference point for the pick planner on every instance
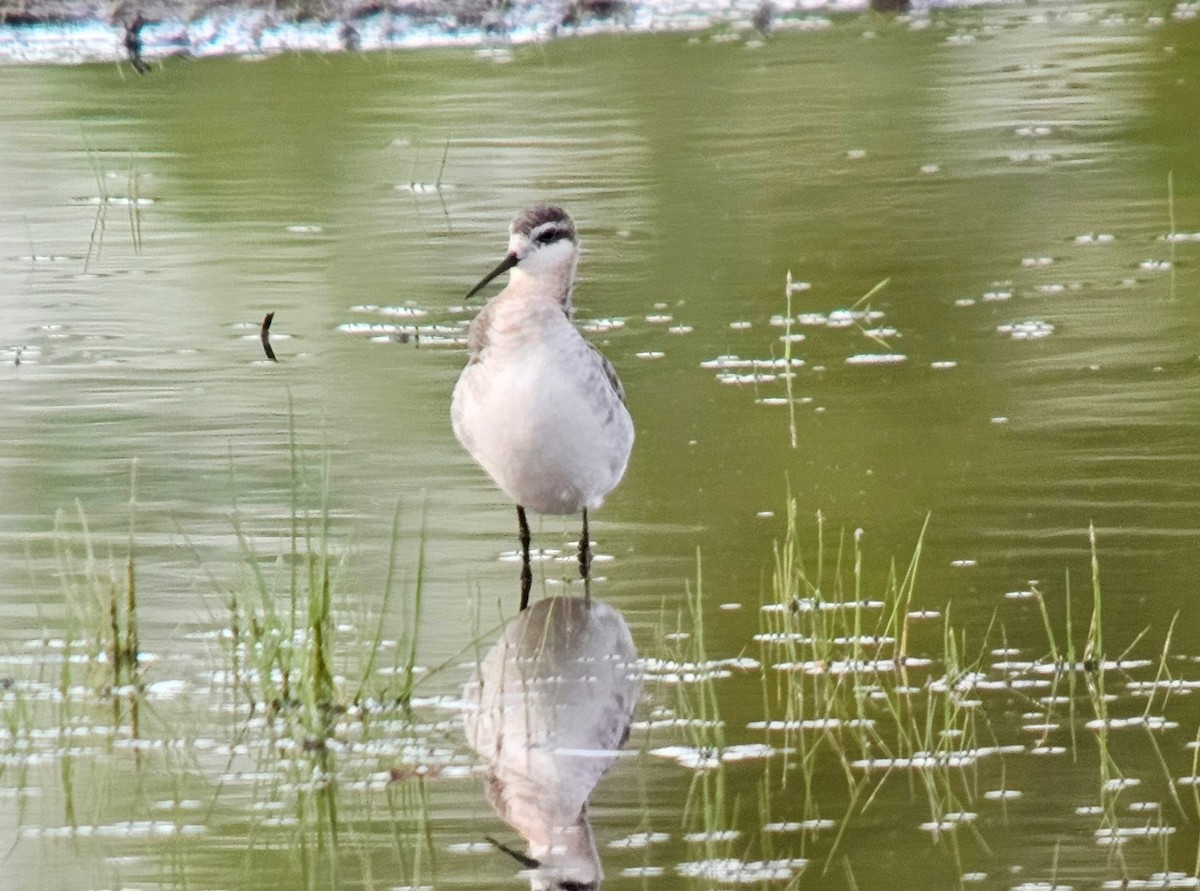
(549, 710)
(538, 407)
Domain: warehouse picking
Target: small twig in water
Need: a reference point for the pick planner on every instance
(445, 154)
(265, 334)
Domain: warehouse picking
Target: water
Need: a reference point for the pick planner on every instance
(1010, 173)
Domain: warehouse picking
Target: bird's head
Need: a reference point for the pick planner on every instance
(541, 244)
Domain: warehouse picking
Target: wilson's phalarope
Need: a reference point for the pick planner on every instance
(538, 407)
(549, 710)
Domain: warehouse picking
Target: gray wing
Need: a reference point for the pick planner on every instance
(610, 373)
(478, 334)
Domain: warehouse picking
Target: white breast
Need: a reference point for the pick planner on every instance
(537, 410)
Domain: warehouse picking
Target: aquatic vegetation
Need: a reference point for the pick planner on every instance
(858, 693)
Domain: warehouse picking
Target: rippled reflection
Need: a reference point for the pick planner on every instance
(548, 711)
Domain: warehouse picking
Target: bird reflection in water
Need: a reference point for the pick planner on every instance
(548, 712)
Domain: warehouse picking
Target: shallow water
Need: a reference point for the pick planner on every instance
(1024, 178)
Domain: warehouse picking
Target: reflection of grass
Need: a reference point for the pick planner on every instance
(104, 199)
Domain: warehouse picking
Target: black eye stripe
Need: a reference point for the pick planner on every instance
(548, 235)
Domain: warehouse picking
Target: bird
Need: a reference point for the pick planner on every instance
(548, 710)
(538, 407)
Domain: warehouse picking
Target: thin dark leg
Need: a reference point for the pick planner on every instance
(526, 572)
(585, 559)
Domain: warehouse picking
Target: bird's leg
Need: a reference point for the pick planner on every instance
(526, 572)
(585, 559)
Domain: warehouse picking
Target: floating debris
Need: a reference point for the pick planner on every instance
(643, 872)
(399, 312)
(934, 760)
(667, 671)
(1120, 783)
(1177, 684)
(478, 847)
(1107, 835)
(1156, 880)
(839, 318)
(709, 758)
(741, 872)
(1148, 722)
(728, 362)
(1002, 794)
(812, 724)
(1095, 238)
(713, 835)
(882, 333)
(839, 667)
(876, 359)
(807, 604)
(949, 822)
(639, 840)
(133, 829)
(602, 325)
(1034, 329)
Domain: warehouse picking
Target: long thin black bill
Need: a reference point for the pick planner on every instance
(524, 859)
(506, 264)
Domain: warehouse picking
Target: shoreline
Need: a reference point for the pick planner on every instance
(72, 32)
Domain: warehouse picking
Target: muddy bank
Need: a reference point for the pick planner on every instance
(142, 32)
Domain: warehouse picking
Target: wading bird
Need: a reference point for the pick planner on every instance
(538, 407)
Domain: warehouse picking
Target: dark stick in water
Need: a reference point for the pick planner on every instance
(265, 334)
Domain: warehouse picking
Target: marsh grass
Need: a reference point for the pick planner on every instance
(847, 690)
(105, 199)
(100, 597)
(855, 686)
(301, 701)
(323, 688)
(698, 707)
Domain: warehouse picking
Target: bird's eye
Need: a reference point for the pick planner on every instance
(547, 236)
